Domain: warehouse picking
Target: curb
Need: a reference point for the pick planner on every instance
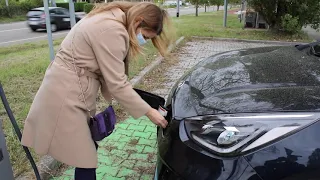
(249, 41)
(47, 163)
(137, 79)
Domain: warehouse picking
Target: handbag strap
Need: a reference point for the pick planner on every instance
(79, 81)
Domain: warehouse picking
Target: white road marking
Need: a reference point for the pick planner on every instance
(7, 42)
(13, 30)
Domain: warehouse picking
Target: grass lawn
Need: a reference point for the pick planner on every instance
(22, 68)
(12, 19)
(210, 24)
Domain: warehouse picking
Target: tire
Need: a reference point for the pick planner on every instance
(54, 27)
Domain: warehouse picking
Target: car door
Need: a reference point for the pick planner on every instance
(66, 17)
(62, 18)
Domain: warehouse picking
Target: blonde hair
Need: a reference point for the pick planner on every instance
(154, 18)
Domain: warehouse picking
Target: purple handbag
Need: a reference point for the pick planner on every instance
(102, 124)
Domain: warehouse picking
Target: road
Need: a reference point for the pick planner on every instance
(18, 33)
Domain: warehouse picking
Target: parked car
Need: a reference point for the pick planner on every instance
(251, 114)
(60, 18)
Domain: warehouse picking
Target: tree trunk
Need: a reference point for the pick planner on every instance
(218, 8)
(197, 6)
(205, 8)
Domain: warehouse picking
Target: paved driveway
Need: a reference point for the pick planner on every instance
(130, 152)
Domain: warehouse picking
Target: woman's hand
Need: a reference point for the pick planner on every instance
(157, 118)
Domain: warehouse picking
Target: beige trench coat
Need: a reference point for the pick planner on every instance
(57, 121)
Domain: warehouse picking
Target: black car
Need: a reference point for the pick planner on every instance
(251, 114)
(60, 18)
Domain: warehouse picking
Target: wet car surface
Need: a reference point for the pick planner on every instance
(244, 114)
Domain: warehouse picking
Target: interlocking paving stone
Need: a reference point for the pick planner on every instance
(130, 151)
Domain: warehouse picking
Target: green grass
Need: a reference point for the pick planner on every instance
(210, 24)
(21, 71)
(12, 19)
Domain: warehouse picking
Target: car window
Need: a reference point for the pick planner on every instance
(59, 12)
(65, 11)
(35, 13)
(62, 11)
(52, 11)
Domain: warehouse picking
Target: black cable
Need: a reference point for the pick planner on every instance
(17, 130)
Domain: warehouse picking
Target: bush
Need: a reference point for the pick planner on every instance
(64, 5)
(88, 8)
(11, 11)
(290, 24)
(19, 8)
(288, 15)
(29, 4)
(78, 7)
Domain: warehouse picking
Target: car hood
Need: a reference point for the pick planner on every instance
(251, 80)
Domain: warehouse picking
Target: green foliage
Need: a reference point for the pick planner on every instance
(290, 24)
(78, 7)
(64, 5)
(88, 7)
(285, 14)
(234, 1)
(16, 8)
(217, 3)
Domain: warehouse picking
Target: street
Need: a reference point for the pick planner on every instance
(19, 32)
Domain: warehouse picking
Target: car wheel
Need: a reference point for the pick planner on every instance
(54, 27)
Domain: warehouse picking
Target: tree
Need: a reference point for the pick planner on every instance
(234, 2)
(288, 15)
(217, 3)
(205, 3)
(196, 3)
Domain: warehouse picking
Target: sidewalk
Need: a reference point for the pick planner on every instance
(130, 152)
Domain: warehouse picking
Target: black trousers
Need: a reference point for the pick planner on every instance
(85, 173)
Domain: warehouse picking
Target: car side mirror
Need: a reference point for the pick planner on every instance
(153, 100)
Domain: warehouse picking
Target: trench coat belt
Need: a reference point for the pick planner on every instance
(81, 71)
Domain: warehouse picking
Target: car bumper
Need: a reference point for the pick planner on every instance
(36, 24)
(179, 160)
(163, 172)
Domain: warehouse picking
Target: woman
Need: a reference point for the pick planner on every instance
(98, 44)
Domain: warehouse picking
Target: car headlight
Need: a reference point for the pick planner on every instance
(232, 135)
